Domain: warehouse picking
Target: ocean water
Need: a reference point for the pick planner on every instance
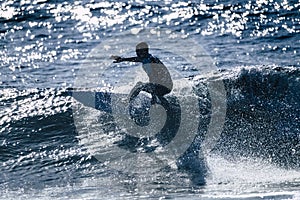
(251, 47)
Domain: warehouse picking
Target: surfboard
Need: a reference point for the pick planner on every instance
(98, 100)
(103, 100)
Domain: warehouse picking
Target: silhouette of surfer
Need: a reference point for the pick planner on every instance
(160, 81)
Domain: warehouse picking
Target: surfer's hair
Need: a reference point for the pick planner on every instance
(142, 46)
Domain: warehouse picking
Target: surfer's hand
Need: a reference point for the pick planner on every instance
(116, 58)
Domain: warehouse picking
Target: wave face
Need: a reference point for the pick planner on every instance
(262, 119)
(40, 146)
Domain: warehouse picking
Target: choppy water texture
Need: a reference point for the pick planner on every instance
(255, 45)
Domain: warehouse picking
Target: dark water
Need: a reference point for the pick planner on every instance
(255, 46)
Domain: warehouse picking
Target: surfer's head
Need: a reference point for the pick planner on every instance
(142, 49)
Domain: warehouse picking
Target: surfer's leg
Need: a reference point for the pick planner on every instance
(136, 90)
(162, 90)
(147, 87)
(158, 92)
(140, 115)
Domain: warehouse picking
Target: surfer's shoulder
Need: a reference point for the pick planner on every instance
(154, 59)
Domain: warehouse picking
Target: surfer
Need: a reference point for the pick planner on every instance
(160, 81)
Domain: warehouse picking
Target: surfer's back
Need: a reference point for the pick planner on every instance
(157, 71)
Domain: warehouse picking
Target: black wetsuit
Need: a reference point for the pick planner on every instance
(160, 81)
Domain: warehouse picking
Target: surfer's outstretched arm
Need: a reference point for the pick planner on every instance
(119, 59)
